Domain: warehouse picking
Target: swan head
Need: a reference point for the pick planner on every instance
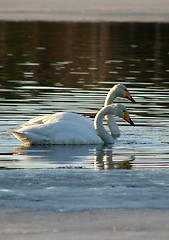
(121, 111)
(122, 91)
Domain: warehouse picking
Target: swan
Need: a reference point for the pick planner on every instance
(118, 90)
(69, 132)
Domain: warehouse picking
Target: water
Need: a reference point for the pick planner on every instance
(50, 67)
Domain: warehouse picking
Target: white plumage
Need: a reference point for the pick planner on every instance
(118, 90)
(71, 131)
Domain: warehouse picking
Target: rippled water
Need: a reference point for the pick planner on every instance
(50, 67)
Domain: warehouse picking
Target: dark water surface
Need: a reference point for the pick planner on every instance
(50, 67)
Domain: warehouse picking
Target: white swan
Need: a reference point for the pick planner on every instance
(69, 132)
(118, 90)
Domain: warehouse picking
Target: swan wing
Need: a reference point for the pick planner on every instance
(61, 116)
(36, 120)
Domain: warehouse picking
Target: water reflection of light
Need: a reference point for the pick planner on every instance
(71, 156)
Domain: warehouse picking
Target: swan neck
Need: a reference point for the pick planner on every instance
(110, 97)
(98, 124)
(114, 129)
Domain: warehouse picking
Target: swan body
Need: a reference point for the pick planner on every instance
(61, 132)
(118, 90)
(71, 132)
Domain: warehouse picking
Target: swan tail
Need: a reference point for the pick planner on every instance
(30, 138)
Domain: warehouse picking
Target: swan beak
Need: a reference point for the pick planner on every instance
(128, 119)
(128, 96)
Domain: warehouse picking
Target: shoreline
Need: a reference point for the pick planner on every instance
(103, 224)
(79, 11)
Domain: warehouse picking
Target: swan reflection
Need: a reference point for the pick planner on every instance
(105, 160)
(74, 156)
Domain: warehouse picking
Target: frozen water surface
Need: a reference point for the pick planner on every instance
(71, 66)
